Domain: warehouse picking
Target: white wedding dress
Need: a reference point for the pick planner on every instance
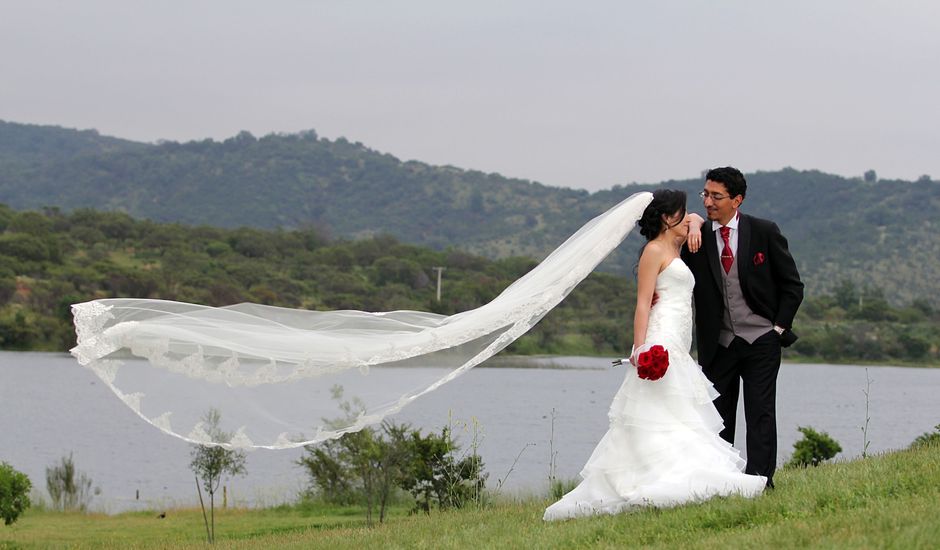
(662, 448)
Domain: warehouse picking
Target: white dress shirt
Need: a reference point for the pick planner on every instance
(732, 239)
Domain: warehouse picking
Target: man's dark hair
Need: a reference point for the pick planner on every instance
(732, 178)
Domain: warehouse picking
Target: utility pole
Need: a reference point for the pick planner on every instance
(439, 271)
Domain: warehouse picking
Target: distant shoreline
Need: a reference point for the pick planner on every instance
(521, 361)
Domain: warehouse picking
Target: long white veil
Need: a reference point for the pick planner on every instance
(272, 373)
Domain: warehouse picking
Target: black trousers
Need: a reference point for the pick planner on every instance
(756, 365)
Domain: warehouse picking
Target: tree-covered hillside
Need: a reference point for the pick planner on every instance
(51, 259)
(874, 233)
(22, 143)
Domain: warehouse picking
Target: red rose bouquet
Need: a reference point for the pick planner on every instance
(652, 363)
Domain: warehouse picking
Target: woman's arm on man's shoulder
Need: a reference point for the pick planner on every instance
(694, 241)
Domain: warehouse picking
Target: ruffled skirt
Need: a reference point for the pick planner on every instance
(662, 448)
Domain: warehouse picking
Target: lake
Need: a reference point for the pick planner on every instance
(50, 407)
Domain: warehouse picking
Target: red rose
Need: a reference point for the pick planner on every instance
(758, 258)
(652, 363)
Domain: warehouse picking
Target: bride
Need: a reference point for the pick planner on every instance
(662, 447)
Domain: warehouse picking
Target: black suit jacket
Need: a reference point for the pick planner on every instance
(769, 279)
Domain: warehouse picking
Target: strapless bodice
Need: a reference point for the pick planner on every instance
(670, 320)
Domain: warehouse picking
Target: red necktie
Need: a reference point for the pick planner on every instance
(727, 258)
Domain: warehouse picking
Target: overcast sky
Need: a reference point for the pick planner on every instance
(580, 94)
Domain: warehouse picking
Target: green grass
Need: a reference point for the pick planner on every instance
(885, 501)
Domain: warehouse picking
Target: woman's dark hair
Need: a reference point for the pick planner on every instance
(666, 202)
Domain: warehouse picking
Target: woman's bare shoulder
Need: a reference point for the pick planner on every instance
(655, 249)
(655, 254)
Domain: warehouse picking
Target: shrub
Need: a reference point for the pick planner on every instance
(439, 475)
(7, 289)
(69, 488)
(366, 466)
(24, 247)
(928, 438)
(14, 493)
(815, 447)
(369, 465)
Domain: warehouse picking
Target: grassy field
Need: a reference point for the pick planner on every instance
(886, 501)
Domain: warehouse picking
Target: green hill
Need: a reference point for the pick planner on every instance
(873, 233)
(53, 259)
(26, 143)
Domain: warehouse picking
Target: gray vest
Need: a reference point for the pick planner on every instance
(738, 319)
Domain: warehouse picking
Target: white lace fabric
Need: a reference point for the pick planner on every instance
(272, 372)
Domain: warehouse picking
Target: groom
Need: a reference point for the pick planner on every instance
(747, 291)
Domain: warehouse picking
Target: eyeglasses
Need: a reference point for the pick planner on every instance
(712, 196)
